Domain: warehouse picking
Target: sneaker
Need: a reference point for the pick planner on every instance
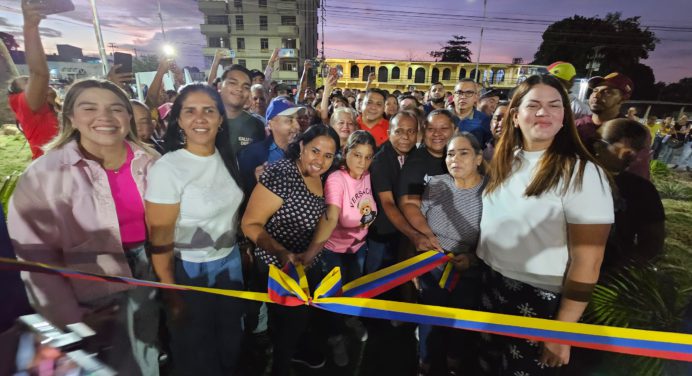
(358, 328)
(311, 360)
(339, 352)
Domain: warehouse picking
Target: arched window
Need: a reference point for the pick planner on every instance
(340, 68)
(488, 75)
(473, 75)
(446, 74)
(396, 73)
(354, 71)
(420, 76)
(462, 73)
(500, 76)
(382, 74)
(410, 73)
(366, 72)
(435, 75)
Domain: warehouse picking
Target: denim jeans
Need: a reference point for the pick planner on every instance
(381, 253)
(351, 264)
(438, 343)
(206, 338)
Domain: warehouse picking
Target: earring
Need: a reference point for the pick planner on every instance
(182, 136)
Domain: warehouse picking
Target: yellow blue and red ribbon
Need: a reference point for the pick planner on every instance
(290, 288)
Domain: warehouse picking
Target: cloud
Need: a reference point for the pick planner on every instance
(47, 32)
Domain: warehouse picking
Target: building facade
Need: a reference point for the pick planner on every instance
(254, 28)
(393, 74)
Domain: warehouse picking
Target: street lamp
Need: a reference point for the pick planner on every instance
(99, 39)
(480, 43)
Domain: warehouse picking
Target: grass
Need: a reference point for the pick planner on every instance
(14, 154)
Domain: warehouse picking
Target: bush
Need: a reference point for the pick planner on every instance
(659, 169)
(673, 190)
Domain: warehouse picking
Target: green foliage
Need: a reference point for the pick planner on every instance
(673, 190)
(456, 50)
(659, 169)
(15, 154)
(8, 185)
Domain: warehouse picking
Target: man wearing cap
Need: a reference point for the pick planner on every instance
(608, 94)
(468, 119)
(436, 98)
(488, 102)
(234, 88)
(282, 119)
(566, 73)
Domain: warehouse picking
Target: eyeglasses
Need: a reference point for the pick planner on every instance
(401, 132)
(465, 94)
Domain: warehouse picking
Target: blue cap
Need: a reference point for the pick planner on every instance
(281, 106)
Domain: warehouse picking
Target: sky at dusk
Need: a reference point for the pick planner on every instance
(385, 29)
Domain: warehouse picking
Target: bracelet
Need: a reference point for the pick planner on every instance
(159, 249)
(578, 291)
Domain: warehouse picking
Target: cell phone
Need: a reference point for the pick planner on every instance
(228, 54)
(54, 6)
(287, 52)
(125, 61)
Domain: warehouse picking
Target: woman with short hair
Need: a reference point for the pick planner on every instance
(547, 211)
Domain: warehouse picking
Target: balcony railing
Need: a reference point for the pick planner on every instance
(215, 29)
(213, 6)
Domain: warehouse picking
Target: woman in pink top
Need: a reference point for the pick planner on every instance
(341, 232)
(80, 206)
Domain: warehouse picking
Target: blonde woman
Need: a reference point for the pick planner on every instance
(80, 206)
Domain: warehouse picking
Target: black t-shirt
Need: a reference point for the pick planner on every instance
(417, 171)
(384, 177)
(245, 130)
(637, 204)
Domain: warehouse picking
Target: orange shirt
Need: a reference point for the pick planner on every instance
(380, 131)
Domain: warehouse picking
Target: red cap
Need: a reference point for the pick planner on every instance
(615, 80)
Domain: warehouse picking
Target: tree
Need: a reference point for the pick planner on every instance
(644, 81)
(456, 50)
(145, 63)
(621, 42)
(680, 91)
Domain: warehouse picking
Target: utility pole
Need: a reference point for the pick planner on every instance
(163, 32)
(480, 43)
(99, 39)
(112, 46)
(323, 18)
(135, 51)
(595, 63)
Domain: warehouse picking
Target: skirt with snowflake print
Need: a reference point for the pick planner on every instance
(508, 356)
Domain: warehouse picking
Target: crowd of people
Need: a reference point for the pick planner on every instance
(535, 196)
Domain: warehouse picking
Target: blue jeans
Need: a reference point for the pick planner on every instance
(351, 264)
(381, 253)
(438, 343)
(206, 339)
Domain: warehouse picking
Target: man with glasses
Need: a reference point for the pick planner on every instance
(468, 118)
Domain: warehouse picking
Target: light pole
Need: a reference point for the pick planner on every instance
(163, 33)
(480, 43)
(99, 39)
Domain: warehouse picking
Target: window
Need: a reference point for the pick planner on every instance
(354, 71)
(217, 20)
(446, 74)
(219, 42)
(238, 3)
(288, 20)
(382, 74)
(473, 75)
(264, 43)
(410, 73)
(435, 75)
(462, 73)
(264, 65)
(239, 24)
(396, 73)
(240, 43)
(262, 3)
(289, 65)
(288, 43)
(242, 62)
(500, 76)
(420, 76)
(264, 23)
(366, 72)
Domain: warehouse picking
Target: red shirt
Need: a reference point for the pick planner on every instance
(379, 131)
(39, 127)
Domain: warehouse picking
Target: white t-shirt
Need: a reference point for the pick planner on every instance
(525, 238)
(209, 200)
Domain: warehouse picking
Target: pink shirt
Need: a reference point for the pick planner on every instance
(358, 210)
(62, 213)
(128, 202)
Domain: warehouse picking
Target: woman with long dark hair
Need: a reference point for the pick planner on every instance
(80, 206)
(547, 211)
(192, 205)
(280, 220)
